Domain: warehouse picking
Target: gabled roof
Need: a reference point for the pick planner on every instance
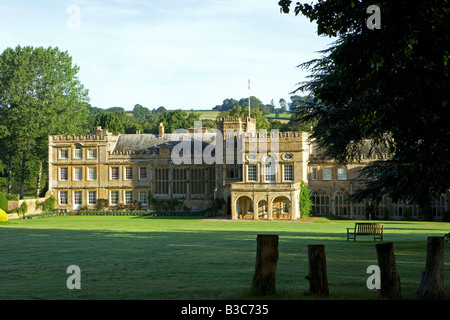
(141, 142)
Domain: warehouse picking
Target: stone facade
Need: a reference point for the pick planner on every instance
(273, 167)
(256, 174)
(108, 170)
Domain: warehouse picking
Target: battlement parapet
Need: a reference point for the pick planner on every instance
(89, 137)
(235, 119)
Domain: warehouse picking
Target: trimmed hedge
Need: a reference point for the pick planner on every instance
(3, 216)
(3, 202)
(48, 214)
(45, 215)
(147, 213)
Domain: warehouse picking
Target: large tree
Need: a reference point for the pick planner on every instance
(140, 111)
(178, 119)
(109, 120)
(40, 94)
(388, 85)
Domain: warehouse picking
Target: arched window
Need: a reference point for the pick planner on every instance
(341, 203)
(404, 209)
(438, 206)
(321, 202)
(270, 169)
(359, 209)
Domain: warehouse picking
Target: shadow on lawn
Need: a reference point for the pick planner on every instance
(180, 263)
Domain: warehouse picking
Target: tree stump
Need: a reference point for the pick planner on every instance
(390, 280)
(317, 277)
(266, 265)
(432, 282)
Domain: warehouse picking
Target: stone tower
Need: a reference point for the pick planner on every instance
(236, 124)
(232, 130)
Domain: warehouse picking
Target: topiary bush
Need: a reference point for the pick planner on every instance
(3, 216)
(3, 202)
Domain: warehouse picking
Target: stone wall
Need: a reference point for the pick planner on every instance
(31, 204)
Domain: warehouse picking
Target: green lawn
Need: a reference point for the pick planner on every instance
(124, 257)
(280, 116)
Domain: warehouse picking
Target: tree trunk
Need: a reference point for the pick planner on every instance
(38, 182)
(432, 282)
(266, 265)
(23, 174)
(390, 280)
(317, 277)
(10, 175)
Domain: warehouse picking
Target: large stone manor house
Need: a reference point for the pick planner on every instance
(256, 174)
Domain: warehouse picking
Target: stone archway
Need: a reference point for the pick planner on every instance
(263, 210)
(244, 207)
(281, 208)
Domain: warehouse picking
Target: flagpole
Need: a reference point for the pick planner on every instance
(249, 98)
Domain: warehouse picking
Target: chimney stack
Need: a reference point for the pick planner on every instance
(101, 132)
(161, 130)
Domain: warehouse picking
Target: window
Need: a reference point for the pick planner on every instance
(211, 182)
(314, 173)
(232, 171)
(438, 206)
(63, 174)
(288, 172)
(161, 181)
(78, 153)
(326, 173)
(143, 197)
(360, 208)
(77, 198)
(142, 173)
(197, 181)
(92, 197)
(92, 173)
(128, 173)
(78, 173)
(269, 169)
(64, 154)
(114, 198)
(269, 172)
(179, 181)
(341, 202)
(285, 207)
(63, 197)
(252, 173)
(128, 196)
(92, 154)
(342, 173)
(321, 202)
(114, 173)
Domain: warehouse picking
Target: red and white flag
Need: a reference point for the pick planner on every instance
(248, 84)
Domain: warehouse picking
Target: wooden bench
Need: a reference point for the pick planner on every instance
(366, 229)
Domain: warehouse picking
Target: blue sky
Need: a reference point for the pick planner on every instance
(188, 54)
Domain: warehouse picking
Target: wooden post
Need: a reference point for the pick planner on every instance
(432, 282)
(266, 264)
(317, 277)
(390, 281)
